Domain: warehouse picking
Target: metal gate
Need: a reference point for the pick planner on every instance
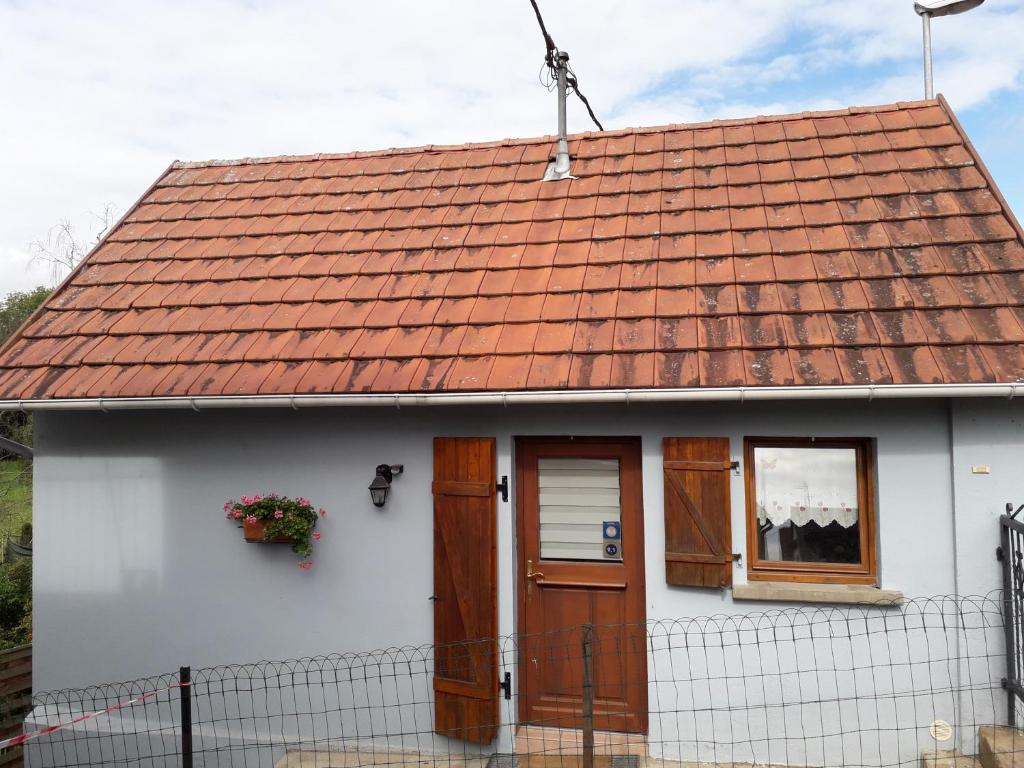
(1011, 555)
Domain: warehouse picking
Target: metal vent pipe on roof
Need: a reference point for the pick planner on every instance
(560, 167)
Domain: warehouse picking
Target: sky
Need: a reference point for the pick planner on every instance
(98, 98)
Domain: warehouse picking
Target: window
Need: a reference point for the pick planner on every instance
(810, 510)
(579, 509)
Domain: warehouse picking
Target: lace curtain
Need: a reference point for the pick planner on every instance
(802, 485)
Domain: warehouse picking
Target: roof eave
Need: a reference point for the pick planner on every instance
(520, 397)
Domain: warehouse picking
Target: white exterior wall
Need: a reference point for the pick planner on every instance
(986, 435)
(137, 571)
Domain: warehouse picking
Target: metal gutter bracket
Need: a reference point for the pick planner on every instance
(560, 167)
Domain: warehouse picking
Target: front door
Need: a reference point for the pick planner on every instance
(581, 561)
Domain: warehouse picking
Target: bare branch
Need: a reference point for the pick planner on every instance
(64, 248)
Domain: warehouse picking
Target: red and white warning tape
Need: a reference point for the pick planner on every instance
(16, 740)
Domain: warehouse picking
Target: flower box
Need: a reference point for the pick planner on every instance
(274, 519)
(256, 533)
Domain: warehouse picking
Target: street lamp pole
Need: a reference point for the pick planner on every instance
(929, 83)
(926, 9)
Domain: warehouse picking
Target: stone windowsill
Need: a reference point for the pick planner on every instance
(794, 592)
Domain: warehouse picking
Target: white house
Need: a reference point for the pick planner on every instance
(723, 369)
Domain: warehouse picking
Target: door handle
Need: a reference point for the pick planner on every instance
(532, 576)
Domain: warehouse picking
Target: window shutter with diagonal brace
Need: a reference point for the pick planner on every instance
(465, 589)
(698, 538)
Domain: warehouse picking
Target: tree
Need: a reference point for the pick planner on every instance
(63, 249)
(16, 307)
(14, 310)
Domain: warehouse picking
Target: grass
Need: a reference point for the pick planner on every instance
(15, 496)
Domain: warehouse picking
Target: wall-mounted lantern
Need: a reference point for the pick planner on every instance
(382, 482)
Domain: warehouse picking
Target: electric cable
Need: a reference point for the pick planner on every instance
(551, 61)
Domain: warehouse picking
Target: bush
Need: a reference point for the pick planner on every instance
(15, 426)
(16, 307)
(16, 603)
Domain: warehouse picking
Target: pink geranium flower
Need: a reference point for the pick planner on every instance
(237, 514)
(250, 519)
(256, 498)
(305, 566)
(304, 502)
(278, 514)
(316, 535)
(323, 513)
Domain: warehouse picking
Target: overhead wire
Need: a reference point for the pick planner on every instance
(551, 62)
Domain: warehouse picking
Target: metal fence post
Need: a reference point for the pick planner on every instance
(588, 696)
(185, 678)
(1005, 556)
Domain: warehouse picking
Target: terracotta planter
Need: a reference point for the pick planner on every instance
(256, 533)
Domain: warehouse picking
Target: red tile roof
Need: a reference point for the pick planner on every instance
(864, 246)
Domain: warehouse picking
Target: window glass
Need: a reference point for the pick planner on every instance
(807, 504)
(579, 506)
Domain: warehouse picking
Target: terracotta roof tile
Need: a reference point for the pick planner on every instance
(634, 371)
(768, 367)
(549, 371)
(676, 369)
(815, 367)
(963, 364)
(852, 329)
(722, 368)
(593, 336)
(510, 371)
(850, 247)
(590, 371)
(553, 337)
(863, 365)
(912, 365)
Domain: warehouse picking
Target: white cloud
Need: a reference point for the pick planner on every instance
(100, 97)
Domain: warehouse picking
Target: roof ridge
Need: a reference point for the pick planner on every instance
(529, 140)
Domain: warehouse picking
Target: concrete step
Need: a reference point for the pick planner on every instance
(948, 758)
(1000, 747)
(366, 759)
(561, 742)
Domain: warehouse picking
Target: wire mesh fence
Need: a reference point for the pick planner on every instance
(859, 686)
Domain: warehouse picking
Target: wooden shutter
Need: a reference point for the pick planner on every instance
(698, 539)
(465, 589)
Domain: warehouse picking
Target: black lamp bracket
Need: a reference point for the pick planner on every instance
(388, 471)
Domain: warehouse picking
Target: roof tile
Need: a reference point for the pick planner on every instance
(912, 365)
(861, 247)
(815, 367)
(633, 371)
(549, 371)
(590, 371)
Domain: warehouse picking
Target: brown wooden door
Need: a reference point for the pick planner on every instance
(567, 490)
(465, 589)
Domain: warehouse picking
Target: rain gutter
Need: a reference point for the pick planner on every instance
(401, 400)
